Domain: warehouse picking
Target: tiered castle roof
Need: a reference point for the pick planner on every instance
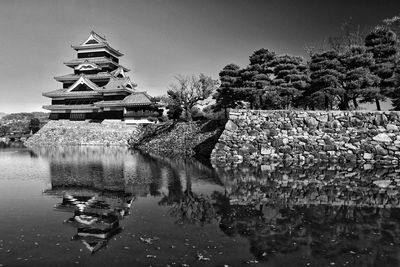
(96, 41)
(97, 74)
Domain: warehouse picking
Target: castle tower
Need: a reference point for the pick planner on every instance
(99, 87)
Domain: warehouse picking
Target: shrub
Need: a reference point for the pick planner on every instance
(152, 119)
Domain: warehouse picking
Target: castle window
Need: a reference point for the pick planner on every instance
(92, 42)
(82, 87)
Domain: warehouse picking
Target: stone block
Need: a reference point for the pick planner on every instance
(322, 118)
(380, 150)
(237, 158)
(267, 168)
(231, 126)
(368, 156)
(247, 149)
(382, 137)
(392, 127)
(311, 122)
(350, 146)
(266, 150)
(382, 183)
(285, 149)
(335, 124)
(253, 132)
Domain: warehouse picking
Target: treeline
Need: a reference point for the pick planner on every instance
(347, 70)
(22, 123)
(352, 68)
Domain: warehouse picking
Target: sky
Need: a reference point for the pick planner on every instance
(161, 38)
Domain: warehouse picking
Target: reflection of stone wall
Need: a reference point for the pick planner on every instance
(335, 185)
(83, 133)
(309, 136)
(317, 215)
(117, 169)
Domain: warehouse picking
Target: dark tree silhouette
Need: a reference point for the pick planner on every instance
(187, 206)
(291, 79)
(327, 73)
(358, 80)
(256, 77)
(34, 125)
(382, 43)
(226, 95)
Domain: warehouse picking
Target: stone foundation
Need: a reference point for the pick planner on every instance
(258, 137)
(115, 133)
(183, 139)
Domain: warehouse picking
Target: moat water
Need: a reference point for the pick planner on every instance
(96, 206)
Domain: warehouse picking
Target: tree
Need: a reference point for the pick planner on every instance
(290, 81)
(393, 24)
(189, 90)
(382, 43)
(326, 73)
(34, 125)
(358, 80)
(257, 77)
(396, 92)
(230, 81)
(349, 36)
(174, 112)
(4, 130)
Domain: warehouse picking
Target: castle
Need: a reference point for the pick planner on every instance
(99, 87)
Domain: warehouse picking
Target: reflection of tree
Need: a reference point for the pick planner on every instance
(192, 209)
(109, 176)
(323, 232)
(187, 206)
(175, 191)
(33, 154)
(147, 172)
(302, 212)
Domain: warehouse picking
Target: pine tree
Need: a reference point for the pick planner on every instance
(227, 93)
(326, 73)
(393, 24)
(359, 81)
(257, 77)
(396, 80)
(382, 43)
(290, 79)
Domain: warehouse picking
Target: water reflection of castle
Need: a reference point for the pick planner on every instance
(98, 185)
(95, 216)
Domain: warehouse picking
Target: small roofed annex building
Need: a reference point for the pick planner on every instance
(99, 88)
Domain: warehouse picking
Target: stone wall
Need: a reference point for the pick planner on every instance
(257, 137)
(182, 139)
(115, 133)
